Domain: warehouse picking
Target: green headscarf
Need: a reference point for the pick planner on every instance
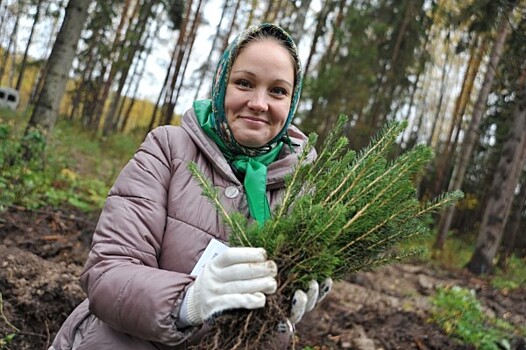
(211, 116)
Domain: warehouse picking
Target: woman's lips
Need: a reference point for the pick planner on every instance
(254, 120)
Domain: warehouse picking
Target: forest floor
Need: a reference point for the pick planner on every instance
(42, 253)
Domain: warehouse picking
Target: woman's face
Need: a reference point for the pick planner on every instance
(259, 92)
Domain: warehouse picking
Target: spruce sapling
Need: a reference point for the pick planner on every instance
(341, 213)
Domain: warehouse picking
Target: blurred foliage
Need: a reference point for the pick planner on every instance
(76, 169)
(512, 277)
(460, 314)
(457, 252)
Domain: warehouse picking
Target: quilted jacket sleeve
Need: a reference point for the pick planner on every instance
(125, 287)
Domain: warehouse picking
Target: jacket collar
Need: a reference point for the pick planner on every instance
(276, 171)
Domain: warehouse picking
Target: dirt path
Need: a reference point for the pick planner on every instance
(42, 253)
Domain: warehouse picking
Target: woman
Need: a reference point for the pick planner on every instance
(147, 278)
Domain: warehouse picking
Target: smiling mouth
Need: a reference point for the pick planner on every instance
(254, 119)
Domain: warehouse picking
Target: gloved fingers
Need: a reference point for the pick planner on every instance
(312, 295)
(267, 285)
(245, 271)
(325, 288)
(240, 301)
(299, 302)
(237, 255)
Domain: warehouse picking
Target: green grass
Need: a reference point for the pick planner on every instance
(77, 168)
(513, 277)
(460, 314)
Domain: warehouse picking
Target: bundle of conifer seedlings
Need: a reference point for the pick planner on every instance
(340, 214)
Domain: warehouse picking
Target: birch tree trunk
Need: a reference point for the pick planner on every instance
(47, 107)
(505, 181)
(299, 21)
(471, 139)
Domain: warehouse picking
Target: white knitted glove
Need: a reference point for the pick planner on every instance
(238, 278)
(304, 302)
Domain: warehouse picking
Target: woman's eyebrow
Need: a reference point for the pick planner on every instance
(283, 81)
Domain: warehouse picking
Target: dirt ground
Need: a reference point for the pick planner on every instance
(42, 253)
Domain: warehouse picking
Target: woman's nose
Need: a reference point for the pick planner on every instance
(258, 101)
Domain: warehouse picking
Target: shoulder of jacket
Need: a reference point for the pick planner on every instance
(175, 139)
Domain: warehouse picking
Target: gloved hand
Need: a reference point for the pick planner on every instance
(238, 278)
(304, 302)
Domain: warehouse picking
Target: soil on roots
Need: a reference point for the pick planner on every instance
(42, 254)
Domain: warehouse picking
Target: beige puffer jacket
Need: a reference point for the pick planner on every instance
(154, 227)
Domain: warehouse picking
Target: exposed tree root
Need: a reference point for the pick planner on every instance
(250, 329)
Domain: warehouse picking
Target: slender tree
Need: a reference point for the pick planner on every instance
(231, 26)
(173, 73)
(505, 181)
(188, 52)
(116, 49)
(208, 61)
(321, 23)
(512, 228)
(135, 43)
(471, 139)
(443, 86)
(443, 161)
(47, 107)
(11, 43)
(184, 56)
(23, 64)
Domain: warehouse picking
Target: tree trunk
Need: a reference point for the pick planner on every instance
(12, 39)
(472, 135)
(182, 42)
(328, 57)
(253, 6)
(29, 40)
(438, 110)
(299, 21)
(127, 113)
(226, 39)
(188, 52)
(268, 11)
(162, 93)
(378, 115)
(511, 231)
(207, 64)
(42, 72)
(118, 49)
(138, 73)
(138, 30)
(446, 156)
(505, 181)
(47, 107)
(321, 19)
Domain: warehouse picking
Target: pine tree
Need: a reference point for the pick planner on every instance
(340, 214)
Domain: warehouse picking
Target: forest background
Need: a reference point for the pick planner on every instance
(95, 76)
(456, 70)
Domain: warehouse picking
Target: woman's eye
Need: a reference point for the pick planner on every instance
(279, 91)
(242, 83)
